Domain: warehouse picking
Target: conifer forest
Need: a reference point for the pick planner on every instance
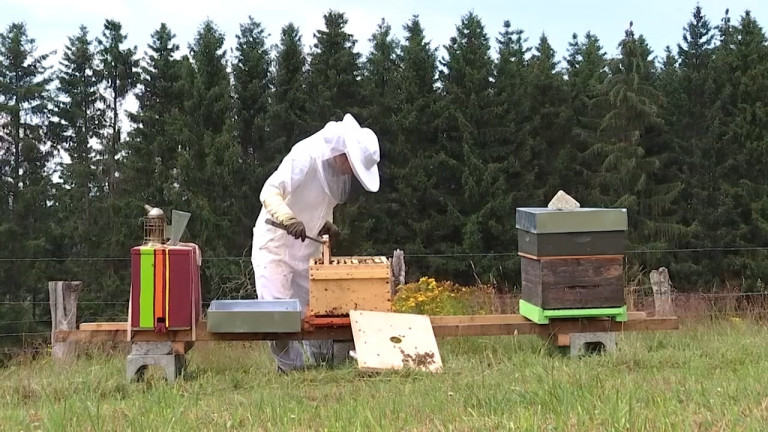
(677, 135)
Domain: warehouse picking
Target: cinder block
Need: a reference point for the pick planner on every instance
(150, 348)
(341, 351)
(590, 343)
(173, 365)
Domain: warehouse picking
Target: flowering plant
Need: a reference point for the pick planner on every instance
(430, 297)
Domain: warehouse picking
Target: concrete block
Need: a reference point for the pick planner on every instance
(173, 365)
(151, 348)
(341, 351)
(592, 343)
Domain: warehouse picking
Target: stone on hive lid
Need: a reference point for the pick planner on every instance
(563, 201)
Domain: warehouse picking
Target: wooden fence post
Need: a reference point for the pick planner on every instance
(63, 300)
(398, 271)
(662, 292)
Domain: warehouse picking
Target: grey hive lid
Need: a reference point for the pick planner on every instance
(543, 220)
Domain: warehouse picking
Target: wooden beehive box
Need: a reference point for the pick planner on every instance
(572, 259)
(165, 287)
(340, 284)
(573, 282)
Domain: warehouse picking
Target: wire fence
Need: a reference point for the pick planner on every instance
(465, 266)
(407, 255)
(26, 332)
(686, 305)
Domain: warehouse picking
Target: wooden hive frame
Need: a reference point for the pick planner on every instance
(338, 285)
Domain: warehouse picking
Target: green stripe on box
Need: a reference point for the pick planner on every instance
(147, 290)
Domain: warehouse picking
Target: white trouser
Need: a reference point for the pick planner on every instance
(277, 280)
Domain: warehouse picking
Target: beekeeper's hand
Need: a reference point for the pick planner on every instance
(330, 230)
(295, 228)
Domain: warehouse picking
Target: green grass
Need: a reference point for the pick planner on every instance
(702, 377)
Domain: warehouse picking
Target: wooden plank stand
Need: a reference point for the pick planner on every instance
(575, 279)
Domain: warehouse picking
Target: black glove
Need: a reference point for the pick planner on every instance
(330, 230)
(297, 230)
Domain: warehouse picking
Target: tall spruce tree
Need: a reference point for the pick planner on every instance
(721, 224)
(334, 89)
(208, 107)
(150, 172)
(211, 160)
(674, 180)
(251, 89)
(118, 67)
(334, 70)
(364, 218)
(508, 162)
(735, 150)
(550, 127)
(695, 59)
(412, 173)
(587, 70)
(466, 128)
(689, 106)
(630, 137)
(79, 122)
(250, 72)
(288, 113)
(25, 104)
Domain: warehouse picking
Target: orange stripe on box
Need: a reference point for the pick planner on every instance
(159, 284)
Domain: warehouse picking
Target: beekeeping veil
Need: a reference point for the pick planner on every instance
(361, 148)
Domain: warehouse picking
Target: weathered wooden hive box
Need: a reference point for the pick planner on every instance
(347, 283)
(571, 260)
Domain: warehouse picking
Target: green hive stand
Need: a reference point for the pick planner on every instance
(542, 316)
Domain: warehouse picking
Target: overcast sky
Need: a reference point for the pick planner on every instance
(661, 21)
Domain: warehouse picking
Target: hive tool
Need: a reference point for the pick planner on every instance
(285, 228)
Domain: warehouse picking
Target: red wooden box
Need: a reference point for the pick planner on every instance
(165, 287)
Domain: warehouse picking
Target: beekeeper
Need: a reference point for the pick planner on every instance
(312, 179)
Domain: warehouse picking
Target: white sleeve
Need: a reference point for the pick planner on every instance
(288, 176)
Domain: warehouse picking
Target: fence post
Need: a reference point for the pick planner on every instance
(398, 271)
(662, 292)
(63, 300)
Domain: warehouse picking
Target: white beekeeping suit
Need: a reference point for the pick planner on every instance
(311, 180)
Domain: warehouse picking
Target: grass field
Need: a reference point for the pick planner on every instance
(706, 376)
